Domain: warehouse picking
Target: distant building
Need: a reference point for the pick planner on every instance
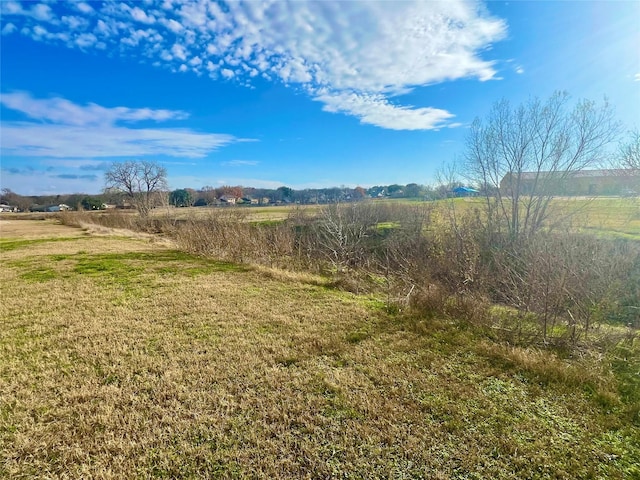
(228, 199)
(614, 182)
(465, 192)
(58, 208)
(50, 208)
(8, 208)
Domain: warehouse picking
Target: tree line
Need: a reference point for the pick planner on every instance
(144, 199)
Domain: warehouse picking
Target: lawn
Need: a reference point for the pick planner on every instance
(121, 357)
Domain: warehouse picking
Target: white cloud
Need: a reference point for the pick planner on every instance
(84, 8)
(86, 165)
(38, 11)
(60, 110)
(172, 25)
(74, 22)
(8, 29)
(11, 8)
(64, 129)
(86, 40)
(361, 53)
(140, 15)
(39, 31)
(65, 141)
(42, 12)
(376, 110)
(240, 163)
(179, 52)
(636, 77)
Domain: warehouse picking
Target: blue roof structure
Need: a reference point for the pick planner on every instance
(465, 190)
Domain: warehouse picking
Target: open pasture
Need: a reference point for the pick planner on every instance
(121, 357)
(612, 216)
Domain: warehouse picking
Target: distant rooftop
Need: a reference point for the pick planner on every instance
(612, 172)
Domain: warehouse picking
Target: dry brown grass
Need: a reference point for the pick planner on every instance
(121, 358)
(20, 229)
(250, 213)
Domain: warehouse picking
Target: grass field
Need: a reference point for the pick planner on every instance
(607, 216)
(121, 357)
(612, 216)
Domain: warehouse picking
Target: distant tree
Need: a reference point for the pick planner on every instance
(193, 194)
(333, 194)
(91, 203)
(228, 191)
(395, 189)
(74, 200)
(143, 183)
(209, 194)
(413, 190)
(359, 193)
(541, 142)
(180, 198)
(8, 197)
(376, 191)
(112, 195)
(285, 193)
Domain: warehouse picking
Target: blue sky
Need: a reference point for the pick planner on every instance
(299, 94)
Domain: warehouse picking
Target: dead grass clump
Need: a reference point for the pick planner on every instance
(588, 373)
(292, 276)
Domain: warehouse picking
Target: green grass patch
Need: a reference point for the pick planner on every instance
(267, 223)
(625, 361)
(8, 244)
(125, 269)
(40, 274)
(357, 336)
(134, 263)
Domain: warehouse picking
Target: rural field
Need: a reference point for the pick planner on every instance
(123, 356)
(615, 216)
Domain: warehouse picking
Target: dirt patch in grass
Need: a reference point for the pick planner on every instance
(30, 229)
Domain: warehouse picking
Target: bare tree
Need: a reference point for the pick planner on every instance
(11, 198)
(629, 152)
(143, 182)
(522, 156)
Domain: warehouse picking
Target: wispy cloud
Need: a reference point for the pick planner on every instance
(60, 110)
(180, 181)
(37, 181)
(239, 163)
(63, 129)
(352, 56)
(68, 176)
(636, 77)
(85, 165)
